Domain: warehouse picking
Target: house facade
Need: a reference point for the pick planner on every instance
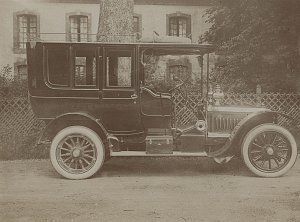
(77, 21)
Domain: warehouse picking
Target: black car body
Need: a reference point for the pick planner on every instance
(96, 104)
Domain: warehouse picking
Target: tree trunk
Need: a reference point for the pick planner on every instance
(115, 21)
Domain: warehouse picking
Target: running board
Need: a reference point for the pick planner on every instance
(144, 154)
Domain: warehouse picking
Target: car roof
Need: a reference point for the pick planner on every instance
(159, 48)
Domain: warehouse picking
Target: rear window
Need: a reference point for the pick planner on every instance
(58, 66)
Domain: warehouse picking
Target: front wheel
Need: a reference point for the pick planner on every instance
(269, 150)
(77, 152)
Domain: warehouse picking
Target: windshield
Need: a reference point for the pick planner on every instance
(160, 69)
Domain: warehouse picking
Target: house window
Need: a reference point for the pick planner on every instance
(136, 22)
(26, 28)
(179, 67)
(179, 24)
(179, 71)
(137, 25)
(78, 27)
(22, 72)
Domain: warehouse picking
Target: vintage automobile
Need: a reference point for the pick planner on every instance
(96, 104)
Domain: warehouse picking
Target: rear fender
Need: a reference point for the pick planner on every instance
(233, 143)
(71, 119)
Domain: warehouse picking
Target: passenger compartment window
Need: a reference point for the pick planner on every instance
(119, 69)
(58, 66)
(85, 67)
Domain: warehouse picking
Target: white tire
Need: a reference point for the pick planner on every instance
(269, 150)
(77, 152)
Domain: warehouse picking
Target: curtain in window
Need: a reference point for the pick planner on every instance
(27, 29)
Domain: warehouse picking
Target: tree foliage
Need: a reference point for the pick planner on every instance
(258, 41)
(11, 87)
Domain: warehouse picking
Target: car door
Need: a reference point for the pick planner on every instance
(120, 103)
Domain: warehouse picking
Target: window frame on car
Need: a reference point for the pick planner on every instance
(71, 66)
(98, 67)
(118, 50)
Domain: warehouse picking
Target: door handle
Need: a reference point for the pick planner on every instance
(134, 96)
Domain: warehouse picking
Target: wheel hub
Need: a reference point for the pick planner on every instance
(76, 153)
(270, 151)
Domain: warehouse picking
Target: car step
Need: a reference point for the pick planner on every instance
(145, 154)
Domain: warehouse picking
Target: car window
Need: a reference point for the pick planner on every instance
(58, 66)
(85, 67)
(119, 68)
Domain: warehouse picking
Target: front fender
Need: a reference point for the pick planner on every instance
(233, 143)
(69, 119)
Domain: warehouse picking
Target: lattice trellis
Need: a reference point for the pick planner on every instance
(242, 99)
(288, 104)
(17, 118)
(186, 106)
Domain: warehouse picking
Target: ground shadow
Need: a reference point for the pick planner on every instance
(162, 166)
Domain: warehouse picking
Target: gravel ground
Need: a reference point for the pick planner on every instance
(141, 189)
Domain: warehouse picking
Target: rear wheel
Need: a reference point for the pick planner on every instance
(269, 150)
(77, 152)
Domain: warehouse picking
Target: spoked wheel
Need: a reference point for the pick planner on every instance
(269, 150)
(77, 152)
